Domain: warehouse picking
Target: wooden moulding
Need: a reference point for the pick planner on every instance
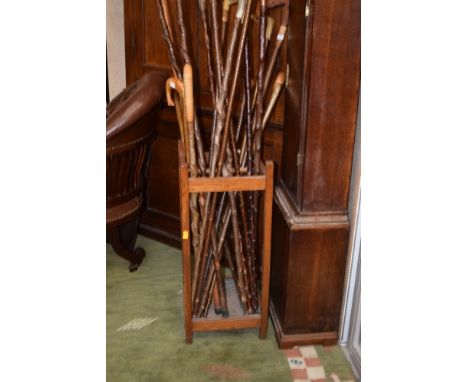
(263, 182)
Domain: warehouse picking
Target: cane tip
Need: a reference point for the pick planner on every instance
(225, 313)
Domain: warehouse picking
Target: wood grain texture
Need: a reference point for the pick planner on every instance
(234, 322)
(310, 221)
(333, 100)
(266, 252)
(185, 234)
(321, 105)
(227, 183)
(231, 323)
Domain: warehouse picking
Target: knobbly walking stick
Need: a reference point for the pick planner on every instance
(192, 158)
(173, 83)
(277, 87)
(204, 229)
(240, 121)
(216, 170)
(167, 38)
(226, 8)
(279, 37)
(186, 56)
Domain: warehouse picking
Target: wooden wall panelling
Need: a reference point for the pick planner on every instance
(310, 224)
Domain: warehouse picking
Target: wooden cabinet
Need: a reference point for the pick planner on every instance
(310, 219)
(311, 139)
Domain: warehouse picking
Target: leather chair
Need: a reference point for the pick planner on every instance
(131, 119)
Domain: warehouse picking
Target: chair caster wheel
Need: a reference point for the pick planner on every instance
(133, 267)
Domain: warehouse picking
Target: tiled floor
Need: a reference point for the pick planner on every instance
(306, 366)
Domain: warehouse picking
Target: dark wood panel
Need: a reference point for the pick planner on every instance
(333, 101)
(321, 253)
(279, 262)
(296, 93)
(163, 183)
(310, 222)
(308, 268)
(161, 220)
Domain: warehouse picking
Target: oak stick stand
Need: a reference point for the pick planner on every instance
(187, 185)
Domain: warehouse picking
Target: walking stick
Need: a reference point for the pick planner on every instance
(173, 83)
(186, 56)
(222, 151)
(226, 8)
(279, 37)
(167, 38)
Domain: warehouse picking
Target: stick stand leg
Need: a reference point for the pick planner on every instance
(185, 233)
(267, 206)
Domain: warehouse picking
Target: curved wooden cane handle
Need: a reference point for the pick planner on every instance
(173, 83)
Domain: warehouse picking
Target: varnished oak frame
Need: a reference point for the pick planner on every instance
(263, 182)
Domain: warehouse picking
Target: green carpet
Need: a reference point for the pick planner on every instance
(155, 350)
(334, 362)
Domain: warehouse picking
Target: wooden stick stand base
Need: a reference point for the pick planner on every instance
(263, 182)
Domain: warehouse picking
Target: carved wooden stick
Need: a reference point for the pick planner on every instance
(226, 7)
(165, 9)
(277, 87)
(173, 83)
(188, 98)
(226, 133)
(189, 113)
(201, 4)
(260, 79)
(207, 293)
(222, 92)
(168, 40)
(183, 33)
(214, 170)
(216, 43)
(279, 37)
(240, 122)
(204, 238)
(248, 135)
(186, 56)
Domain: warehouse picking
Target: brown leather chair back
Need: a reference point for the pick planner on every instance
(131, 122)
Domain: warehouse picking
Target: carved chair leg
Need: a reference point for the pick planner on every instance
(123, 244)
(128, 233)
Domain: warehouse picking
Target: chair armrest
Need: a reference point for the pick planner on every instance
(135, 102)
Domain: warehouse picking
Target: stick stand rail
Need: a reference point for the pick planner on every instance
(263, 182)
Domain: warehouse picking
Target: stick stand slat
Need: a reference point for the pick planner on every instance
(185, 233)
(262, 183)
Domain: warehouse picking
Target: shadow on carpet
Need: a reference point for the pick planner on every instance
(145, 330)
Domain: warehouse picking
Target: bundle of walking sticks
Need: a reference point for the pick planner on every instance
(224, 233)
